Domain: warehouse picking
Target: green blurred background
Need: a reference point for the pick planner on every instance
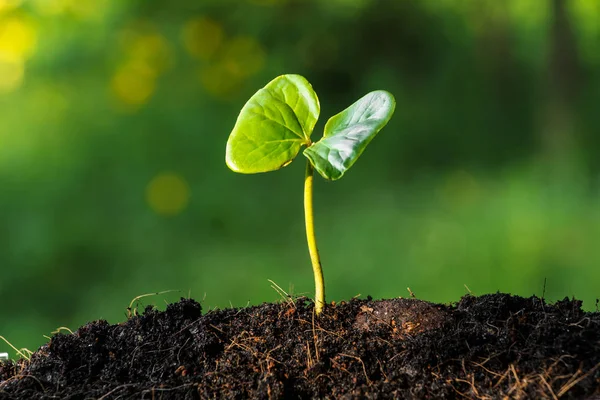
(114, 116)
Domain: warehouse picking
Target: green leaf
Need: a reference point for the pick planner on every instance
(348, 133)
(273, 125)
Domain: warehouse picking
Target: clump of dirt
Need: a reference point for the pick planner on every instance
(493, 346)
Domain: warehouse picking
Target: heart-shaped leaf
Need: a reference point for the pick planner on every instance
(348, 133)
(273, 125)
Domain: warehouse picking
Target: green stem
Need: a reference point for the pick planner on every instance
(311, 239)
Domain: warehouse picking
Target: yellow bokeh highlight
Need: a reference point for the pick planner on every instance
(202, 37)
(240, 58)
(168, 194)
(585, 16)
(146, 55)
(18, 39)
(7, 5)
(151, 49)
(11, 75)
(529, 14)
(243, 56)
(133, 84)
(88, 9)
(51, 7)
(219, 81)
(79, 9)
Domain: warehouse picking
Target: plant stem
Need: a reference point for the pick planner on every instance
(311, 239)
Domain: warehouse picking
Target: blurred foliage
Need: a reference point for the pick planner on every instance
(114, 117)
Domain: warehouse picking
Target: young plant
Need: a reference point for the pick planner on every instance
(279, 119)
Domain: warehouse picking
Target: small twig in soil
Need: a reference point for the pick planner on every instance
(545, 382)
(61, 328)
(315, 337)
(132, 311)
(572, 382)
(577, 324)
(57, 331)
(471, 383)
(19, 377)
(283, 294)
(381, 370)
(309, 362)
(403, 352)
(517, 385)
(486, 369)
(317, 327)
(162, 389)
(362, 363)
(22, 352)
(106, 395)
(180, 349)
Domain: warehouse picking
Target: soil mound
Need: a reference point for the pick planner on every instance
(492, 346)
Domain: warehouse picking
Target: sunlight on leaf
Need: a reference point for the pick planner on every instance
(168, 194)
(273, 125)
(348, 133)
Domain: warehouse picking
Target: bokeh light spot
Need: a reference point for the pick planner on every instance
(219, 81)
(151, 49)
(587, 15)
(17, 39)
(134, 83)
(7, 5)
(146, 55)
(243, 56)
(88, 9)
(79, 9)
(202, 37)
(240, 58)
(168, 194)
(11, 75)
(529, 14)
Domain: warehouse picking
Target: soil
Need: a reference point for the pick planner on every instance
(488, 347)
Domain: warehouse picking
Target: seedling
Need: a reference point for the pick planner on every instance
(277, 122)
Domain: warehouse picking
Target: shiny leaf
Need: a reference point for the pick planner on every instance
(273, 125)
(348, 133)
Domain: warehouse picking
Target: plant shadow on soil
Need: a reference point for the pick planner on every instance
(492, 346)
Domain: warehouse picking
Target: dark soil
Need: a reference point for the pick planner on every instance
(489, 347)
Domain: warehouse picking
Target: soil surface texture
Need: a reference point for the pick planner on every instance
(489, 347)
